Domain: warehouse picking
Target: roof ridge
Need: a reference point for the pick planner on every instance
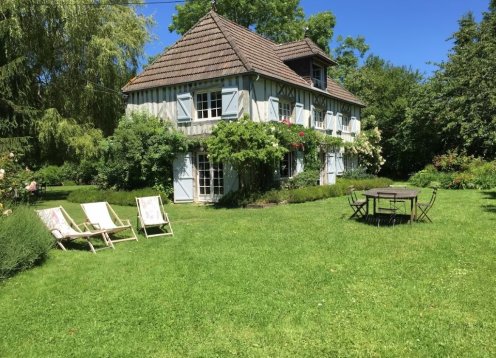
(216, 17)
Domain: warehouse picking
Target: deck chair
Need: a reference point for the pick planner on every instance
(357, 205)
(101, 216)
(387, 206)
(425, 207)
(63, 228)
(151, 214)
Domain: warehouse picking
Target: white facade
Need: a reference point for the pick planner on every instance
(195, 108)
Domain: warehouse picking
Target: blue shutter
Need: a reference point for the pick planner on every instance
(183, 178)
(299, 114)
(231, 181)
(339, 122)
(300, 163)
(273, 109)
(312, 117)
(339, 163)
(331, 168)
(184, 107)
(330, 121)
(230, 98)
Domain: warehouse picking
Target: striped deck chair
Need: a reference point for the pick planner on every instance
(151, 214)
(63, 228)
(101, 216)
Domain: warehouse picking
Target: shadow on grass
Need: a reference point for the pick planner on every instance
(81, 245)
(385, 220)
(491, 195)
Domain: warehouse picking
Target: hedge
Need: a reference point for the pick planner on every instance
(116, 197)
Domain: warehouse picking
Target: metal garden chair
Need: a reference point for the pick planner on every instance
(358, 205)
(387, 206)
(426, 207)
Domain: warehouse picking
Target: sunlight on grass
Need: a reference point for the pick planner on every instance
(292, 280)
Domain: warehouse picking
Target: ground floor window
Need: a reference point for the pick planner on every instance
(287, 166)
(210, 177)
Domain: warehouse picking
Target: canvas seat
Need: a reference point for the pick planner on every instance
(151, 214)
(101, 216)
(63, 228)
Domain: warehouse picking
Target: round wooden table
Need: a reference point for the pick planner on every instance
(399, 193)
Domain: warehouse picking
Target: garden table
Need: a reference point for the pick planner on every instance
(401, 194)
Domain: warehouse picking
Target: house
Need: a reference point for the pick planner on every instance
(221, 71)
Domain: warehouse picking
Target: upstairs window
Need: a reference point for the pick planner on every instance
(318, 76)
(346, 123)
(209, 105)
(318, 115)
(284, 110)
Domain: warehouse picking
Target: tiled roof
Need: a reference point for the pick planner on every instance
(302, 48)
(339, 92)
(216, 47)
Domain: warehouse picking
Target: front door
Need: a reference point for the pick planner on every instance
(210, 179)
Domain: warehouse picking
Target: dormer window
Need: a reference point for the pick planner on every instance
(318, 76)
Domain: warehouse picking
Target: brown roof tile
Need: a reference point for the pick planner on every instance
(339, 92)
(217, 47)
(302, 48)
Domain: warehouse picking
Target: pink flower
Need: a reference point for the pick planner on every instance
(301, 134)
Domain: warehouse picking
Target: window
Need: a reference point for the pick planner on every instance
(208, 105)
(210, 177)
(346, 123)
(284, 110)
(287, 166)
(318, 115)
(318, 76)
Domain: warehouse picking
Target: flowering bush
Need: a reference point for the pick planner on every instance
(366, 146)
(13, 178)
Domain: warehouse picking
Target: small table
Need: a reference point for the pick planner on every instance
(401, 194)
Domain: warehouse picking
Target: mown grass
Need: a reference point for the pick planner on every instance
(293, 280)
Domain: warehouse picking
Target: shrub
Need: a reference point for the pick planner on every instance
(303, 179)
(451, 162)
(237, 199)
(13, 178)
(358, 173)
(484, 173)
(121, 197)
(24, 241)
(51, 175)
(140, 153)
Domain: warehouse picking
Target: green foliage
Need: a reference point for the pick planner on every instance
(452, 162)
(321, 29)
(140, 153)
(358, 173)
(307, 177)
(13, 178)
(367, 148)
(117, 197)
(50, 175)
(24, 241)
(348, 54)
(243, 198)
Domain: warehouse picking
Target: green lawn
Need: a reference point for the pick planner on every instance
(295, 280)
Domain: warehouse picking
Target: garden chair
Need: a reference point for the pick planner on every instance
(401, 203)
(151, 214)
(63, 228)
(387, 206)
(357, 205)
(101, 216)
(425, 207)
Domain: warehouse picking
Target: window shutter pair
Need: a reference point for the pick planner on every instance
(230, 101)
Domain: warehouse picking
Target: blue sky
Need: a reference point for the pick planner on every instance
(409, 33)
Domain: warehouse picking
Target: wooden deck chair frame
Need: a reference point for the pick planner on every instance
(79, 232)
(162, 226)
(118, 223)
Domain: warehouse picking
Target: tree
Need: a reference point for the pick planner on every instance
(467, 88)
(320, 29)
(348, 54)
(70, 56)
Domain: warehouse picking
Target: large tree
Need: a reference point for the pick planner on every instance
(278, 20)
(71, 56)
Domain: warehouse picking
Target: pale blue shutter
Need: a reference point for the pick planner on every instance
(312, 117)
(300, 164)
(339, 163)
(354, 125)
(183, 178)
(184, 107)
(331, 168)
(273, 109)
(230, 98)
(339, 122)
(299, 114)
(231, 181)
(330, 121)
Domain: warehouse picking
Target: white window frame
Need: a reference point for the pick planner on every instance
(318, 81)
(209, 108)
(285, 110)
(319, 121)
(346, 121)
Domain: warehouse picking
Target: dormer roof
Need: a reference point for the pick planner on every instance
(302, 49)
